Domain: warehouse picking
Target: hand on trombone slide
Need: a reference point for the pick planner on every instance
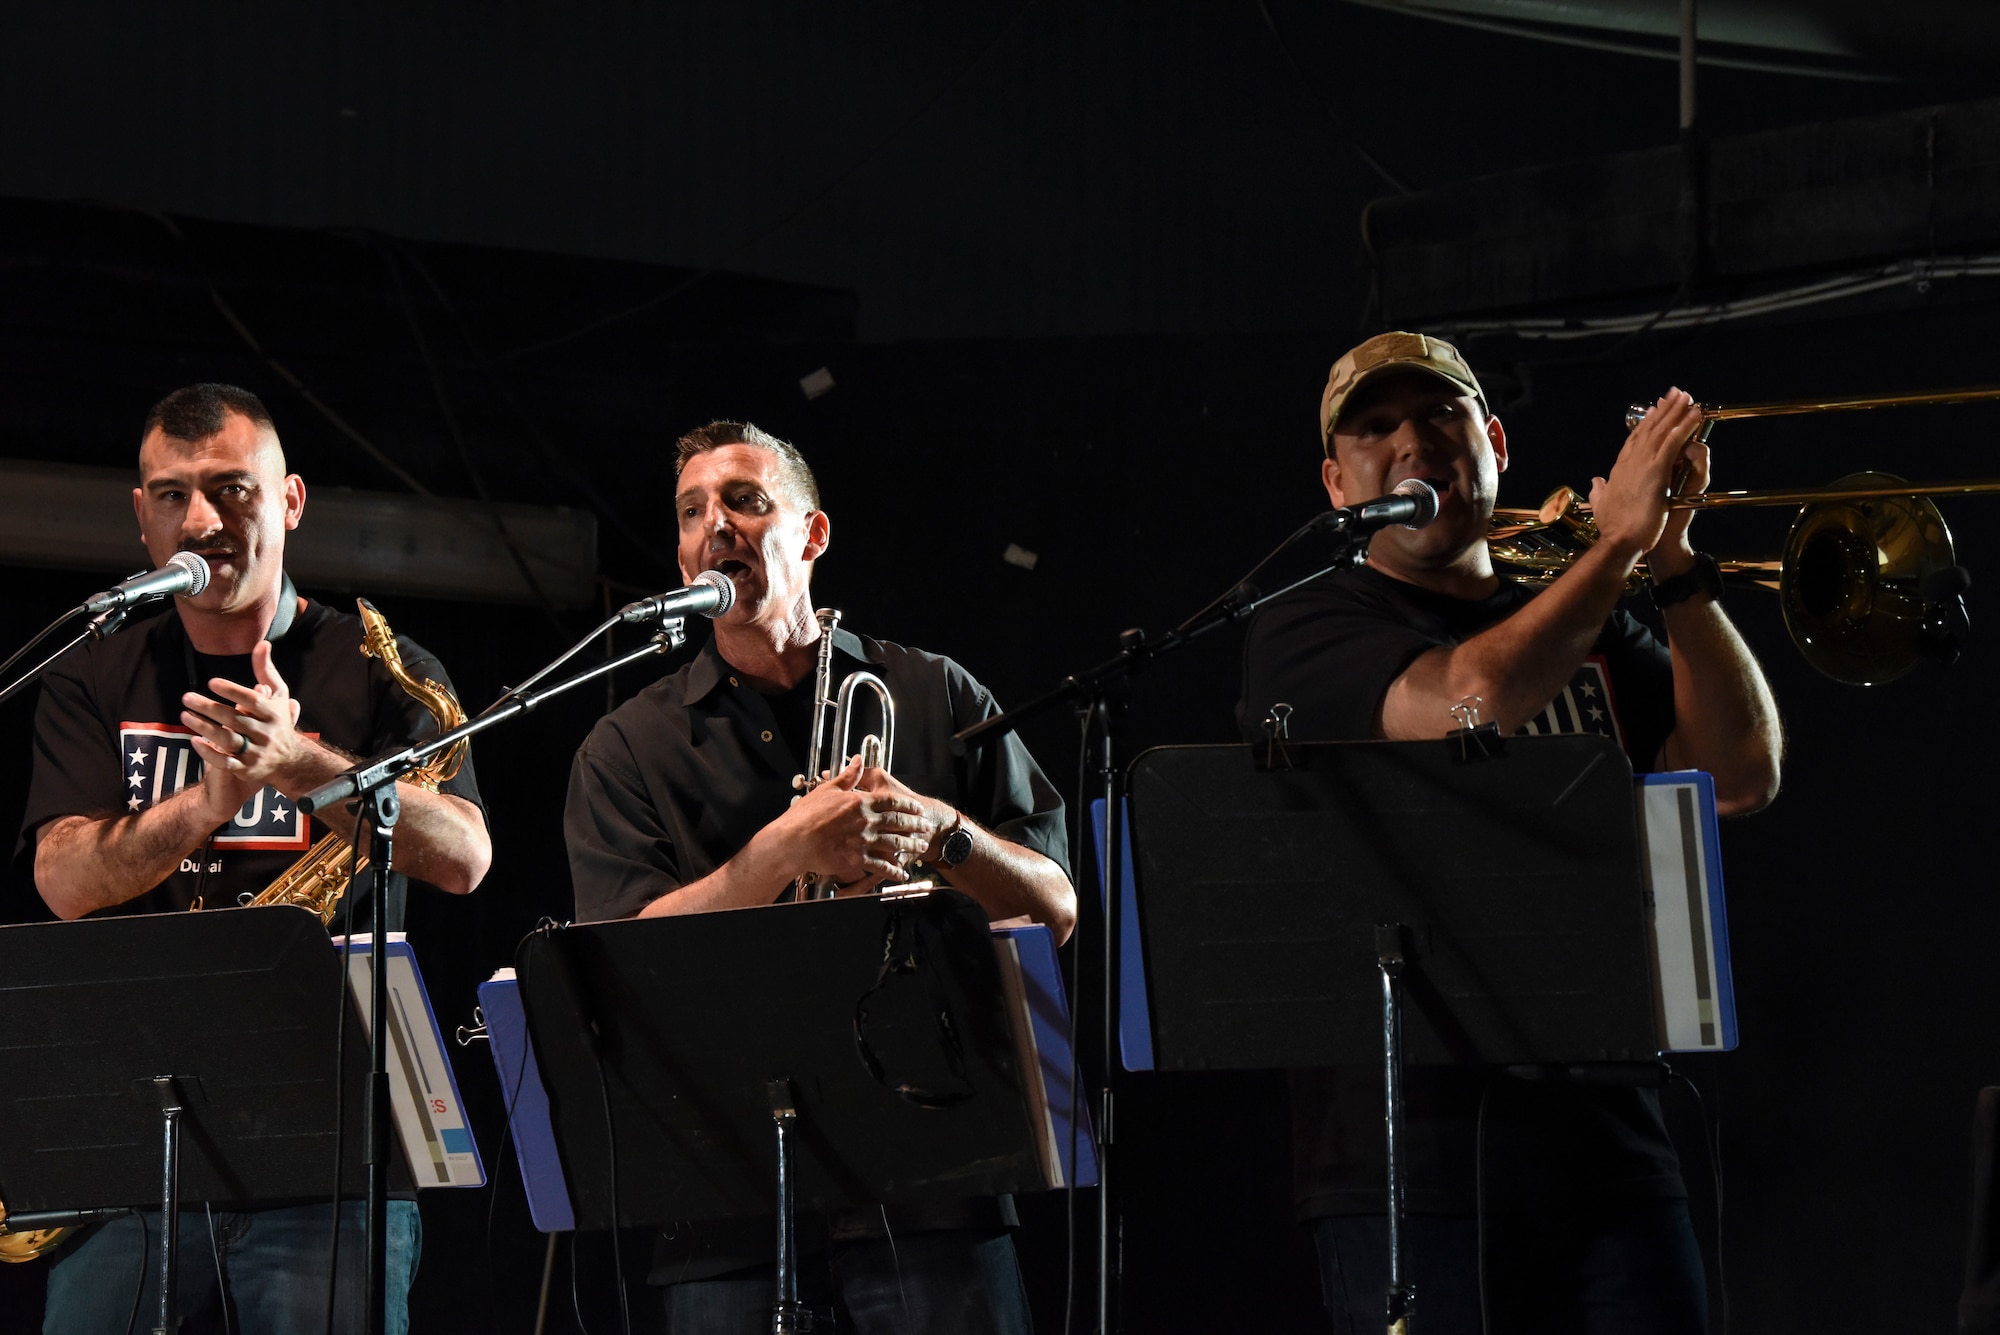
(1664, 456)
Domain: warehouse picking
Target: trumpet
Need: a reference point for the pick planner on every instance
(1867, 579)
(875, 752)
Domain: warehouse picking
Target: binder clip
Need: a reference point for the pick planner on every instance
(1277, 732)
(1475, 740)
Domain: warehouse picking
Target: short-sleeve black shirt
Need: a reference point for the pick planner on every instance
(672, 783)
(109, 740)
(1331, 650)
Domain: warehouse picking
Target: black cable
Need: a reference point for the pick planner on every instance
(457, 434)
(575, 1302)
(1479, 1197)
(617, 1252)
(785, 219)
(507, 1107)
(215, 1250)
(145, 1266)
(340, 1079)
(1711, 1141)
(556, 458)
(1394, 181)
(46, 631)
(1081, 827)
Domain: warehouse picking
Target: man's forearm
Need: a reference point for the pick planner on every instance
(1009, 881)
(440, 839)
(83, 864)
(1725, 718)
(1516, 666)
(757, 875)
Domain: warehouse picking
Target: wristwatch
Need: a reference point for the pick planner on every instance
(957, 846)
(1704, 576)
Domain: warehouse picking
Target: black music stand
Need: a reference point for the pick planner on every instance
(844, 1052)
(178, 1056)
(1467, 900)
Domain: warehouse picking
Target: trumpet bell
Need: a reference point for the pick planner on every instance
(1856, 579)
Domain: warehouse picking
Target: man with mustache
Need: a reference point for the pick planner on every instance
(681, 801)
(169, 760)
(1588, 1227)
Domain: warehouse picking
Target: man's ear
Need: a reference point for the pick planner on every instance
(295, 500)
(1329, 474)
(819, 531)
(139, 511)
(1497, 436)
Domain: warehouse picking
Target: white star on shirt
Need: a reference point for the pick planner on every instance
(139, 757)
(279, 813)
(133, 804)
(1589, 690)
(137, 782)
(1595, 713)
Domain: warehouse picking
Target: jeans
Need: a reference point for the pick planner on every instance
(955, 1282)
(1629, 1270)
(269, 1266)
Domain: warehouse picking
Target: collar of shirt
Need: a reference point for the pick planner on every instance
(710, 669)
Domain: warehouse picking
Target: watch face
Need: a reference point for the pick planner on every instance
(957, 848)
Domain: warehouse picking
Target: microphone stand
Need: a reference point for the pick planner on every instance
(373, 784)
(1091, 692)
(101, 625)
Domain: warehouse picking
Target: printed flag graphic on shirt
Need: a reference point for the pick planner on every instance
(1584, 705)
(160, 760)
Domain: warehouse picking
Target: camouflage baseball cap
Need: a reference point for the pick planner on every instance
(1383, 354)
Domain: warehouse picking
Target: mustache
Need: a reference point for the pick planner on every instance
(218, 544)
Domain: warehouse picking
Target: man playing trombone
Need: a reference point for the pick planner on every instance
(682, 801)
(1590, 1227)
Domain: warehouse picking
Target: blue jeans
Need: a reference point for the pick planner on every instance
(1632, 1270)
(269, 1266)
(952, 1282)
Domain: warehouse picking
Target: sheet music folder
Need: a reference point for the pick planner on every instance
(1516, 878)
(694, 1016)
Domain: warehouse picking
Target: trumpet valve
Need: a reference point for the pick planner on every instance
(871, 752)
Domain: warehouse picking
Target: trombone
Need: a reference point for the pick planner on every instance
(1867, 579)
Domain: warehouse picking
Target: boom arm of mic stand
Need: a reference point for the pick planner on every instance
(1135, 655)
(373, 774)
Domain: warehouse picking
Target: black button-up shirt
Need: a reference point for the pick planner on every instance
(675, 781)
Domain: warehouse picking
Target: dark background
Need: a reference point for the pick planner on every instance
(1078, 274)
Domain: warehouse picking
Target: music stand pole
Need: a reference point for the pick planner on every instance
(1401, 1297)
(170, 1199)
(383, 809)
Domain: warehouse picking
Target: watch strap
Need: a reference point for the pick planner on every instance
(1703, 577)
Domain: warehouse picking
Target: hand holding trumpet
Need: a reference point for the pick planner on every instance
(848, 831)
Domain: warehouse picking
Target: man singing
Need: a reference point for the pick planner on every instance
(681, 801)
(169, 760)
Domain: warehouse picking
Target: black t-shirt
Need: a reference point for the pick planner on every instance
(1331, 650)
(109, 740)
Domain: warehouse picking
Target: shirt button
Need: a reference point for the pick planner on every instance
(734, 682)
(767, 734)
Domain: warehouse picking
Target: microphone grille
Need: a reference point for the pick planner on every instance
(197, 571)
(722, 584)
(1424, 495)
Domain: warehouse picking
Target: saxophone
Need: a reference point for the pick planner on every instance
(317, 880)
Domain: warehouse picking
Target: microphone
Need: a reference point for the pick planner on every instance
(711, 594)
(1412, 504)
(184, 572)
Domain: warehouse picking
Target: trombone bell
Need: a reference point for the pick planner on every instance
(1858, 580)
